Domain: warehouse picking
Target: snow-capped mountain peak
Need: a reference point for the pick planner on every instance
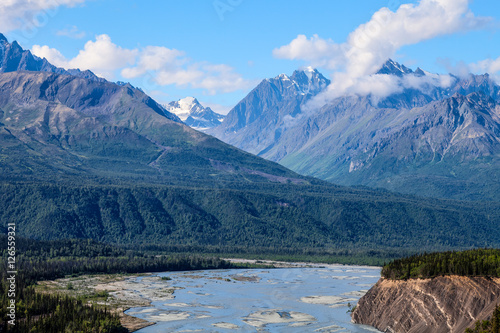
(184, 107)
(304, 81)
(283, 77)
(193, 114)
(309, 71)
(309, 80)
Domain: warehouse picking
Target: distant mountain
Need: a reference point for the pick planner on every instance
(84, 158)
(431, 140)
(393, 68)
(255, 123)
(447, 148)
(195, 115)
(59, 123)
(14, 58)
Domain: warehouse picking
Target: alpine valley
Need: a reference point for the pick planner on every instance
(436, 135)
(81, 157)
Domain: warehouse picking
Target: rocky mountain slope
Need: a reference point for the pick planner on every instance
(85, 158)
(14, 58)
(447, 148)
(445, 304)
(255, 124)
(115, 160)
(195, 115)
(55, 123)
(430, 139)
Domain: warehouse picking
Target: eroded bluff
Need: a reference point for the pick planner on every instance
(442, 304)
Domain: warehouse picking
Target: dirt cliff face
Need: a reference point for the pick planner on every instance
(442, 304)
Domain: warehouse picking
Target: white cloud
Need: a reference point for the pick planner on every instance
(154, 58)
(221, 78)
(157, 65)
(372, 43)
(462, 69)
(101, 56)
(52, 55)
(376, 85)
(491, 66)
(29, 15)
(178, 76)
(428, 81)
(169, 66)
(319, 52)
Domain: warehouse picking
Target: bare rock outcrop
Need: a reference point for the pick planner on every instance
(442, 304)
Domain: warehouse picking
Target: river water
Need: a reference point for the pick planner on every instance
(303, 299)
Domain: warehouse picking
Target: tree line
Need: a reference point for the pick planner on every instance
(37, 260)
(478, 262)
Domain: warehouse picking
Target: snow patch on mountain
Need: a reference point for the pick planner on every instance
(193, 114)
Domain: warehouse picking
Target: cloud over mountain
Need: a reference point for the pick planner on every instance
(157, 65)
(101, 56)
(372, 43)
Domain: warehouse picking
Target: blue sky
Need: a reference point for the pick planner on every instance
(218, 50)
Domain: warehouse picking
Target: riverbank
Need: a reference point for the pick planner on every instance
(120, 292)
(116, 292)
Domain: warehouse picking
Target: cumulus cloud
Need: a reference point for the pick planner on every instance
(427, 81)
(169, 66)
(491, 66)
(101, 56)
(374, 42)
(29, 15)
(317, 51)
(52, 55)
(155, 58)
(157, 65)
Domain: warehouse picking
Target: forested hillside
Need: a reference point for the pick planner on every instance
(280, 216)
(480, 262)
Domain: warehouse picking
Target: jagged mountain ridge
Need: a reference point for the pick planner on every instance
(393, 68)
(14, 58)
(255, 123)
(66, 124)
(348, 140)
(195, 115)
(444, 147)
(54, 120)
(82, 158)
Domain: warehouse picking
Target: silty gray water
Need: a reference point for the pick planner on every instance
(312, 299)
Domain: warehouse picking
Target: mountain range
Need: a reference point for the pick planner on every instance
(14, 58)
(195, 115)
(81, 157)
(427, 139)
